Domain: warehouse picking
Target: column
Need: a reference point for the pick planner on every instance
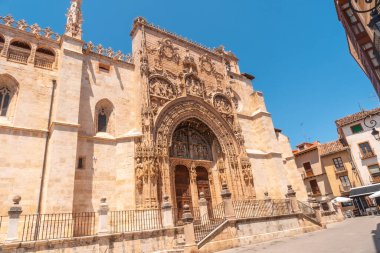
(14, 217)
(187, 218)
(167, 213)
(229, 211)
(203, 210)
(103, 217)
(293, 199)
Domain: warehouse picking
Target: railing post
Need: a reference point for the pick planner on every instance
(316, 207)
(293, 199)
(103, 217)
(187, 218)
(268, 203)
(14, 217)
(203, 210)
(229, 212)
(167, 213)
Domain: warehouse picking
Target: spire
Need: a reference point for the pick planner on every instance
(74, 20)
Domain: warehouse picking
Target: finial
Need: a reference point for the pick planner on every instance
(74, 20)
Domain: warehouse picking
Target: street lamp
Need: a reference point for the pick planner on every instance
(372, 123)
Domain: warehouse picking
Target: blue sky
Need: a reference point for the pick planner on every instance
(296, 49)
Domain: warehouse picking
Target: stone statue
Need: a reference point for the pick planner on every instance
(74, 19)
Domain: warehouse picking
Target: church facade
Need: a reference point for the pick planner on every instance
(172, 120)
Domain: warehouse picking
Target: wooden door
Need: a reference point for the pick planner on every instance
(182, 190)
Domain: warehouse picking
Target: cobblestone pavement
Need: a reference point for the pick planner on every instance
(355, 235)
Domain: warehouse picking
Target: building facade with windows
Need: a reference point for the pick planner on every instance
(363, 42)
(80, 122)
(356, 131)
(337, 162)
(309, 164)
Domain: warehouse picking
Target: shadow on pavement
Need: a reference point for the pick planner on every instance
(376, 237)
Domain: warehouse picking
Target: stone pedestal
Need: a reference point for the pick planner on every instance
(203, 210)
(14, 217)
(293, 199)
(103, 217)
(229, 211)
(167, 214)
(187, 218)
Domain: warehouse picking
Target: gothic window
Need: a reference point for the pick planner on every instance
(104, 117)
(102, 121)
(5, 99)
(19, 51)
(8, 92)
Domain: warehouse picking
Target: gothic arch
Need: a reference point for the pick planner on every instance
(10, 86)
(184, 108)
(104, 117)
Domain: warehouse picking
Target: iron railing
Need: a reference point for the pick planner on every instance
(56, 226)
(209, 222)
(261, 208)
(328, 213)
(307, 211)
(135, 220)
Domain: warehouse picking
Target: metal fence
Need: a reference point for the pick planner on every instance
(261, 208)
(210, 221)
(56, 226)
(135, 220)
(307, 210)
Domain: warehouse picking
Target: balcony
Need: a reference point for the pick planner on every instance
(344, 189)
(316, 192)
(18, 55)
(367, 155)
(307, 174)
(340, 171)
(375, 179)
(44, 62)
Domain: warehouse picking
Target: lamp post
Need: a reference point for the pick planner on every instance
(370, 122)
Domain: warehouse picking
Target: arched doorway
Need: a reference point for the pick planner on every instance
(191, 158)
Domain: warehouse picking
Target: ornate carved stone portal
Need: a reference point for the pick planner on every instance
(192, 141)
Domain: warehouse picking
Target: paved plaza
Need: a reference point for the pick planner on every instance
(355, 235)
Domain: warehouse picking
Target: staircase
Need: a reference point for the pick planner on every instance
(308, 212)
(209, 224)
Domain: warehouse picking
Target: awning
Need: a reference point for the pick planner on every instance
(364, 190)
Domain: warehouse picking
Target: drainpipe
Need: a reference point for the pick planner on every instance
(46, 148)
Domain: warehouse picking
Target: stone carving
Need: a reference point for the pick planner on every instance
(194, 86)
(110, 53)
(35, 29)
(162, 88)
(193, 172)
(246, 170)
(188, 143)
(206, 65)
(222, 104)
(74, 19)
(168, 50)
(189, 64)
(139, 174)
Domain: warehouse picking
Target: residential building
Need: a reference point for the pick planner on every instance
(363, 42)
(356, 131)
(336, 160)
(309, 164)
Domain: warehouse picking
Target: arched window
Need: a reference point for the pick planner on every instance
(104, 117)
(5, 99)
(102, 121)
(45, 58)
(19, 51)
(8, 91)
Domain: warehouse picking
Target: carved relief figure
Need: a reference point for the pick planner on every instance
(139, 174)
(194, 86)
(74, 18)
(161, 88)
(222, 104)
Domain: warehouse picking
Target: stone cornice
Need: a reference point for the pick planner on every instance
(142, 22)
(61, 123)
(110, 138)
(255, 114)
(17, 128)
